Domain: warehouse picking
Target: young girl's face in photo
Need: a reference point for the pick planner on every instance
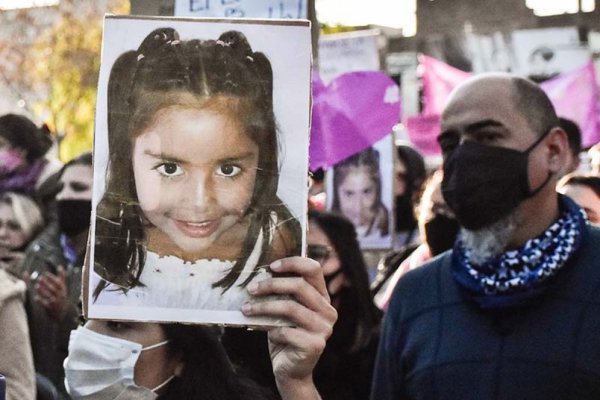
(357, 195)
(195, 170)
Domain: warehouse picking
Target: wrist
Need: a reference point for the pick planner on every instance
(297, 388)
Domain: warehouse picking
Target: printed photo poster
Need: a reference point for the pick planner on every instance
(360, 188)
(545, 53)
(200, 160)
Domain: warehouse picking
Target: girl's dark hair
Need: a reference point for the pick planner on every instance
(207, 373)
(22, 133)
(367, 158)
(156, 76)
(342, 235)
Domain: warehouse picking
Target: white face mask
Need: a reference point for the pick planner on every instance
(100, 367)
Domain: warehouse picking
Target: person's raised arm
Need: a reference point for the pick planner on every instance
(295, 350)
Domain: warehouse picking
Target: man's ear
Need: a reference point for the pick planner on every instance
(557, 146)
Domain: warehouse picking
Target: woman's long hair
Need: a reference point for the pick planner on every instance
(158, 75)
(207, 373)
(342, 235)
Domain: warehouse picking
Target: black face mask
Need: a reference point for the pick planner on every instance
(329, 278)
(74, 216)
(405, 218)
(482, 184)
(440, 233)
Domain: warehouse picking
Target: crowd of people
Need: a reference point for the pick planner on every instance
(491, 290)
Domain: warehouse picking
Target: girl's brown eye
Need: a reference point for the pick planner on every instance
(229, 170)
(170, 168)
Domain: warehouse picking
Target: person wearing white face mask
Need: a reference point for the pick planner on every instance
(133, 360)
(102, 366)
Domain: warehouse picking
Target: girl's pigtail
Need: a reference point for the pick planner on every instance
(119, 240)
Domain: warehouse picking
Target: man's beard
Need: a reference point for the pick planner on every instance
(489, 242)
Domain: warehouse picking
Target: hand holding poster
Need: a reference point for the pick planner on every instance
(190, 202)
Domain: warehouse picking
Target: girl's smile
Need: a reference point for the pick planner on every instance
(195, 171)
(198, 229)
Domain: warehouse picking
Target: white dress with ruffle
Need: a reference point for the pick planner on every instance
(170, 282)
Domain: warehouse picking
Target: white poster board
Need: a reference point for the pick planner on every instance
(548, 52)
(347, 52)
(360, 188)
(278, 9)
(200, 161)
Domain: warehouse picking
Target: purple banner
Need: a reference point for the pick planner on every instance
(350, 114)
(439, 79)
(574, 95)
(423, 131)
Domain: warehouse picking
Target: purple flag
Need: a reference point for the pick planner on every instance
(575, 95)
(423, 131)
(350, 114)
(439, 79)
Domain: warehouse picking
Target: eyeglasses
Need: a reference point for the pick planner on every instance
(318, 252)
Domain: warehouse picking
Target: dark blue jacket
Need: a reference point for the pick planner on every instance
(438, 344)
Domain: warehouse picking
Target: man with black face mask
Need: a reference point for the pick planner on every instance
(53, 262)
(513, 311)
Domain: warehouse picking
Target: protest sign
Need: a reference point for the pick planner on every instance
(277, 9)
(360, 188)
(348, 52)
(196, 189)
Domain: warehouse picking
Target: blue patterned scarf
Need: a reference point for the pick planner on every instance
(519, 275)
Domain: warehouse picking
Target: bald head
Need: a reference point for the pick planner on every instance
(525, 98)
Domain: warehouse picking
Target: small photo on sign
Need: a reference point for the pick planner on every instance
(196, 187)
(360, 188)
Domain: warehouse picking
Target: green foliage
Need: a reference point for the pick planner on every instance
(60, 72)
(327, 29)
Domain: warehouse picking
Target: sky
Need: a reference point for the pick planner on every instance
(401, 13)
(392, 13)
(8, 4)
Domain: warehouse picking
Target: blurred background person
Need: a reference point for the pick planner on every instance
(54, 264)
(409, 176)
(16, 361)
(24, 164)
(438, 229)
(357, 194)
(345, 369)
(20, 220)
(585, 191)
(574, 139)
